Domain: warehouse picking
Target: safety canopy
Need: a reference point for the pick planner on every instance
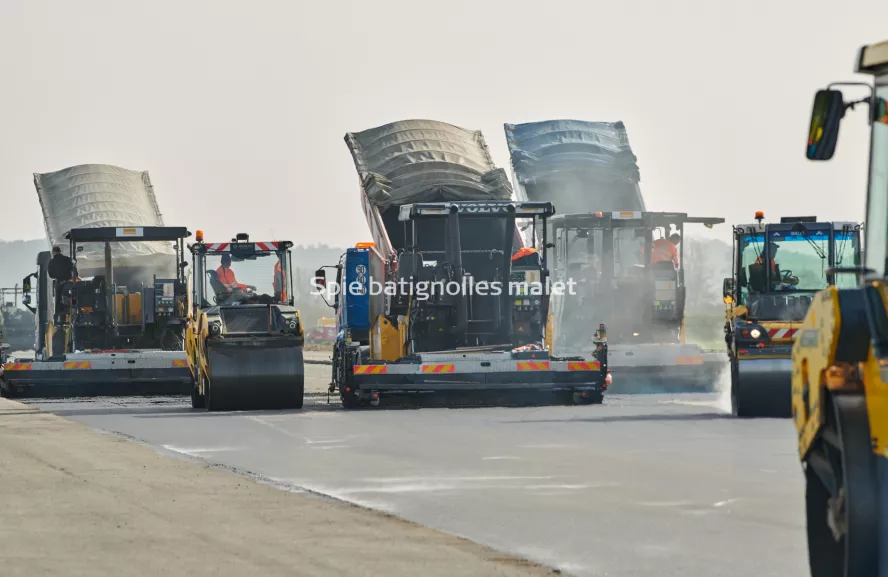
(578, 165)
(99, 195)
(425, 161)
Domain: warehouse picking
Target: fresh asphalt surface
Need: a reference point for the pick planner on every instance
(647, 485)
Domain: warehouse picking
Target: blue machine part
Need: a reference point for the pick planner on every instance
(356, 290)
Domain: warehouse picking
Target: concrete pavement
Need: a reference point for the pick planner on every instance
(640, 486)
(75, 502)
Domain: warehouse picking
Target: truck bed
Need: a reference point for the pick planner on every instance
(100, 195)
(411, 161)
(577, 165)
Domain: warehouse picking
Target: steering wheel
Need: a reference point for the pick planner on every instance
(788, 281)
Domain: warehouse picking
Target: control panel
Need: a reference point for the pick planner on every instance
(165, 304)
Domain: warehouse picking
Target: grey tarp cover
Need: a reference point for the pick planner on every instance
(99, 195)
(425, 161)
(578, 165)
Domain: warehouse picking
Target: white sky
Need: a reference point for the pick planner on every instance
(238, 109)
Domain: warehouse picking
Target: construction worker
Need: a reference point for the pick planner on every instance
(666, 249)
(226, 275)
(61, 267)
(280, 286)
(527, 256)
(776, 276)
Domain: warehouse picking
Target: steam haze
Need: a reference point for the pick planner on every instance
(238, 110)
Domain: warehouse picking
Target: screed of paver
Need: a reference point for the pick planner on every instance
(77, 502)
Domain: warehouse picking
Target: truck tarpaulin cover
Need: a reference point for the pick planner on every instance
(425, 161)
(579, 166)
(98, 195)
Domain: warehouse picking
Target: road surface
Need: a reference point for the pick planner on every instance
(643, 485)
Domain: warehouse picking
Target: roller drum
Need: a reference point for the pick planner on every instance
(762, 388)
(255, 374)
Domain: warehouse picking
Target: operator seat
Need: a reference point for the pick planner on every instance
(757, 281)
(665, 270)
(218, 288)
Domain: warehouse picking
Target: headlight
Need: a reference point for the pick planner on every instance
(215, 328)
(755, 333)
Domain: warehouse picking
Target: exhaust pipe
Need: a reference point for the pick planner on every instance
(462, 321)
(504, 304)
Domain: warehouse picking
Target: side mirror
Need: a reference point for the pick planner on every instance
(823, 133)
(320, 279)
(26, 285)
(26, 299)
(728, 290)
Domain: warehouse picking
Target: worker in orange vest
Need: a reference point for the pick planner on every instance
(666, 249)
(226, 275)
(776, 275)
(526, 256)
(280, 286)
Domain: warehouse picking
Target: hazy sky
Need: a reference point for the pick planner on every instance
(238, 109)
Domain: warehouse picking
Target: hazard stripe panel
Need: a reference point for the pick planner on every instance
(78, 364)
(438, 368)
(260, 246)
(577, 366)
(533, 366)
(695, 360)
(17, 367)
(782, 333)
(370, 369)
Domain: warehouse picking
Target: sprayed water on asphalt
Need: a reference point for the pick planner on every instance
(723, 389)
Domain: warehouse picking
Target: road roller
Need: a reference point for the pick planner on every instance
(245, 336)
(840, 361)
(778, 267)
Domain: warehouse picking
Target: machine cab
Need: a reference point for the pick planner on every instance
(627, 266)
(778, 267)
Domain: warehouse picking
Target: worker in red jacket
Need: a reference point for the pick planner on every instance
(280, 285)
(226, 275)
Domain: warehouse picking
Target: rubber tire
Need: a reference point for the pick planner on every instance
(826, 556)
(861, 486)
(857, 553)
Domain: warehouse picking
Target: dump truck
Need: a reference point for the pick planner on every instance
(839, 377)
(98, 334)
(777, 269)
(609, 258)
(244, 341)
(588, 168)
(127, 337)
(446, 301)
